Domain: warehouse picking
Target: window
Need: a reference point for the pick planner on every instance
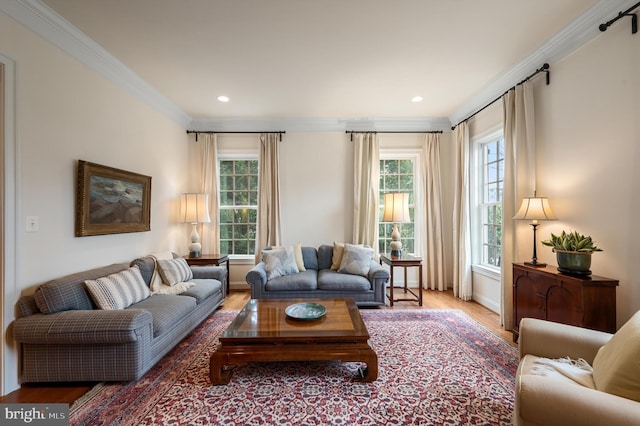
(491, 172)
(238, 206)
(397, 175)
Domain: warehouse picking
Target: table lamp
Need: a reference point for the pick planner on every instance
(396, 210)
(194, 209)
(535, 209)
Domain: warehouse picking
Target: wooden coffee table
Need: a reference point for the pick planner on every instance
(262, 332)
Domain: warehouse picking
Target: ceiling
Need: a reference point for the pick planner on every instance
(344, 59)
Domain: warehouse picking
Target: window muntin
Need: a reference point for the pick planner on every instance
(490, 205)
(397, 175)
(238, 206)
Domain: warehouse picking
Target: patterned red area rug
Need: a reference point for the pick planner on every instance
(435, 367)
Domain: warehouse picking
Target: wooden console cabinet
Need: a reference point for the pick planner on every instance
(545, 293)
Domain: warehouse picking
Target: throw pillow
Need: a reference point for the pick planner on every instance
(616, 367)
(174, 271)
(156, 279)
(338, 250)
(356, 260)
(174, 289)
(119, 290)
(297, 251)
(279, 262)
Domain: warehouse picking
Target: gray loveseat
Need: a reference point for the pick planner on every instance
(64, 337)
(319, 281)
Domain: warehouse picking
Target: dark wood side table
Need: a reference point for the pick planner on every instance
(544, 293)
(404, 261)
(211, 259)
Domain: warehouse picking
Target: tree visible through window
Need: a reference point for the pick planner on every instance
(397, 175)
(238, 206)
(491, 204)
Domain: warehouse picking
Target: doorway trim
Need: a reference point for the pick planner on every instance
(9, 207)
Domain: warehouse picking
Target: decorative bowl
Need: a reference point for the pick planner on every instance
(306, 311)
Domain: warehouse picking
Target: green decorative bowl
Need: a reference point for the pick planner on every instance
(574, 262)
(306, 311)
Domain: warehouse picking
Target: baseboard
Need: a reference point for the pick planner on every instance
(487, 303)
(238, 286)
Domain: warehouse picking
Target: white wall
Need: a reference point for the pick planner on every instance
(588, 151)
(66, 112)
(316, 188)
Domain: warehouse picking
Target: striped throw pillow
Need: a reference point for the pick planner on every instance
(119, 290)
(174, 271)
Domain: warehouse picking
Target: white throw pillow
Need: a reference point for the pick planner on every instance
(356, 260)
(297, 251)
(174, 271)
(119, 290)
(174, 289)
(156, 279)
(279, 262)
(616, 367)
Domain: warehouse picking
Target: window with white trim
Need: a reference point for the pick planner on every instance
(397, 175)
(490, 178)
(238, 205)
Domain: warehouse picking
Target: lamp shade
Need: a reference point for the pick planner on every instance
(194, 208)
(535, 208)
(396, 207)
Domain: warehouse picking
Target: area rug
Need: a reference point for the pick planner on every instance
(435, 367)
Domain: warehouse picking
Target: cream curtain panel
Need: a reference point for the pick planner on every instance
(209, 173)
(462, 283)
(269, 232)
(434, 271)
(519, 181)
(366, 188)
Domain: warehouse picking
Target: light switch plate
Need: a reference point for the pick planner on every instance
(33, 224)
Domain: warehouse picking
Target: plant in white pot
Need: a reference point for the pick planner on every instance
(573, 252)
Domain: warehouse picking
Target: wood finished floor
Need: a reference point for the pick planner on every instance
(69, 392)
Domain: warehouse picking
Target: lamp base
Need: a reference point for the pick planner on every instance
(395, 245)
(534, 259)
(195, 246)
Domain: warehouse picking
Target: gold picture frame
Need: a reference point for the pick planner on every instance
(111, 201)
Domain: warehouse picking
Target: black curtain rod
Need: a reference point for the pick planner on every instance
(634, 19)
(351, 132)
(213, 132)
(544, 68)
(393, 131)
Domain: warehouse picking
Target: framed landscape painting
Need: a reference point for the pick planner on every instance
(111, 201)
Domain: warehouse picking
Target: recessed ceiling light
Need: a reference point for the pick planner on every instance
(416, 99)
(223, 98)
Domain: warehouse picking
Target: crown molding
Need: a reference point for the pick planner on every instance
(312, 124)
(42, 20)
(570, 38)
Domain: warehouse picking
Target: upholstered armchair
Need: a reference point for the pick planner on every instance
(546, 396)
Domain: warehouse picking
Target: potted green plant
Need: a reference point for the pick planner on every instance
(573, 252)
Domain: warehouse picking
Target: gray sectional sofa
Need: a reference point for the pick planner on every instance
(64, 337)
(319, 281)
